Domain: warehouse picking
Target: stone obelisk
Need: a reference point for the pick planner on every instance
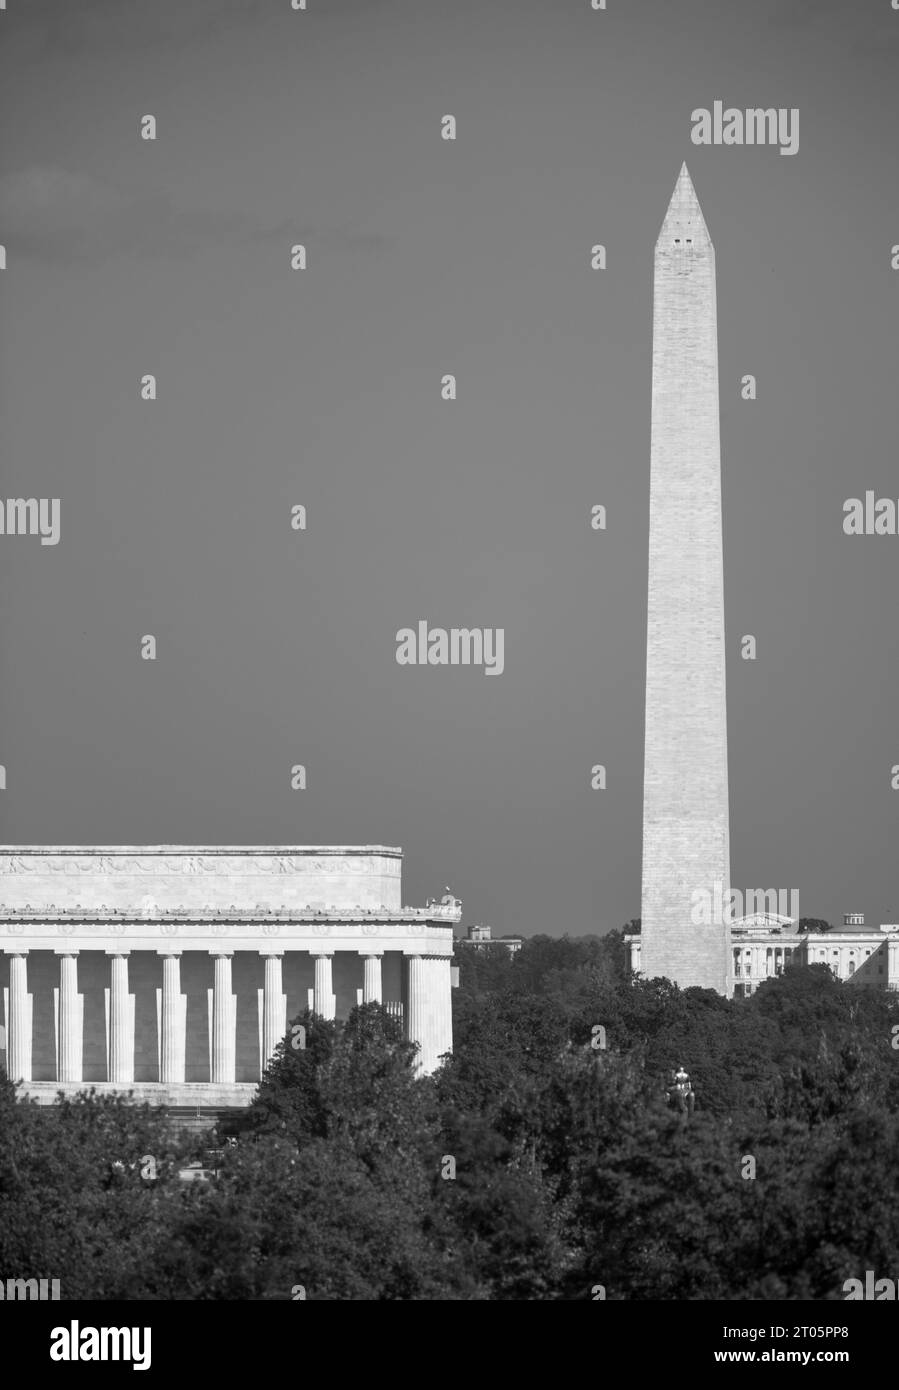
(686, 838)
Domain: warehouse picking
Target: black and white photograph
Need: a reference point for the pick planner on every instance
(449, 654)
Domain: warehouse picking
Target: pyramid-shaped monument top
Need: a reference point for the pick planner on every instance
(684, 223)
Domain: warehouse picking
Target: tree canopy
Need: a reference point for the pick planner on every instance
(542, 1159)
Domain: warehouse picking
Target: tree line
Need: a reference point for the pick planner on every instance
(541, 1162)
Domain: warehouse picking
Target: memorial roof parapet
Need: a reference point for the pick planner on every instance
(436, 912)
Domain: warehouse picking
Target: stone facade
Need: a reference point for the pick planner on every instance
(764, 945)
(173, 970)
(481, 938)
(686, 842)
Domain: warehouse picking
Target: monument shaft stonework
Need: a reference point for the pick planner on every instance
(173, 970)
(686, 840)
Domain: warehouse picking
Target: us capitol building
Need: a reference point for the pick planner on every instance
(764, 943)
(171, 971)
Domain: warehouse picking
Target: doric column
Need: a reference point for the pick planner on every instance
(371, 979)
(172, 1022)
(70, 1016)
(223, 1020)
(18, 1020)
(274, 1006)
(324, 989)
(892, 954)
(121, 1037)
(428, 1017)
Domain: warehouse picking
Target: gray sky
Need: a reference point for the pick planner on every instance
(322, 387)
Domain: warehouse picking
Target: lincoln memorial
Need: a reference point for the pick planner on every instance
(171, 971)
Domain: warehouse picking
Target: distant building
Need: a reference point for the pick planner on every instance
(483, 936)
(170, 971)
(764, 943)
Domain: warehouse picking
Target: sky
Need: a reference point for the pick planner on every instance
(322, 388)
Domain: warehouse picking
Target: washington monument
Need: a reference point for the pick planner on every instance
(686, 836)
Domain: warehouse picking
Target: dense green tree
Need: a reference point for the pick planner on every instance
(483, 969)
(84, 1191)
(541, 1160)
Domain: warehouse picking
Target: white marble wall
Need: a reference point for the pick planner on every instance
(177, 966)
